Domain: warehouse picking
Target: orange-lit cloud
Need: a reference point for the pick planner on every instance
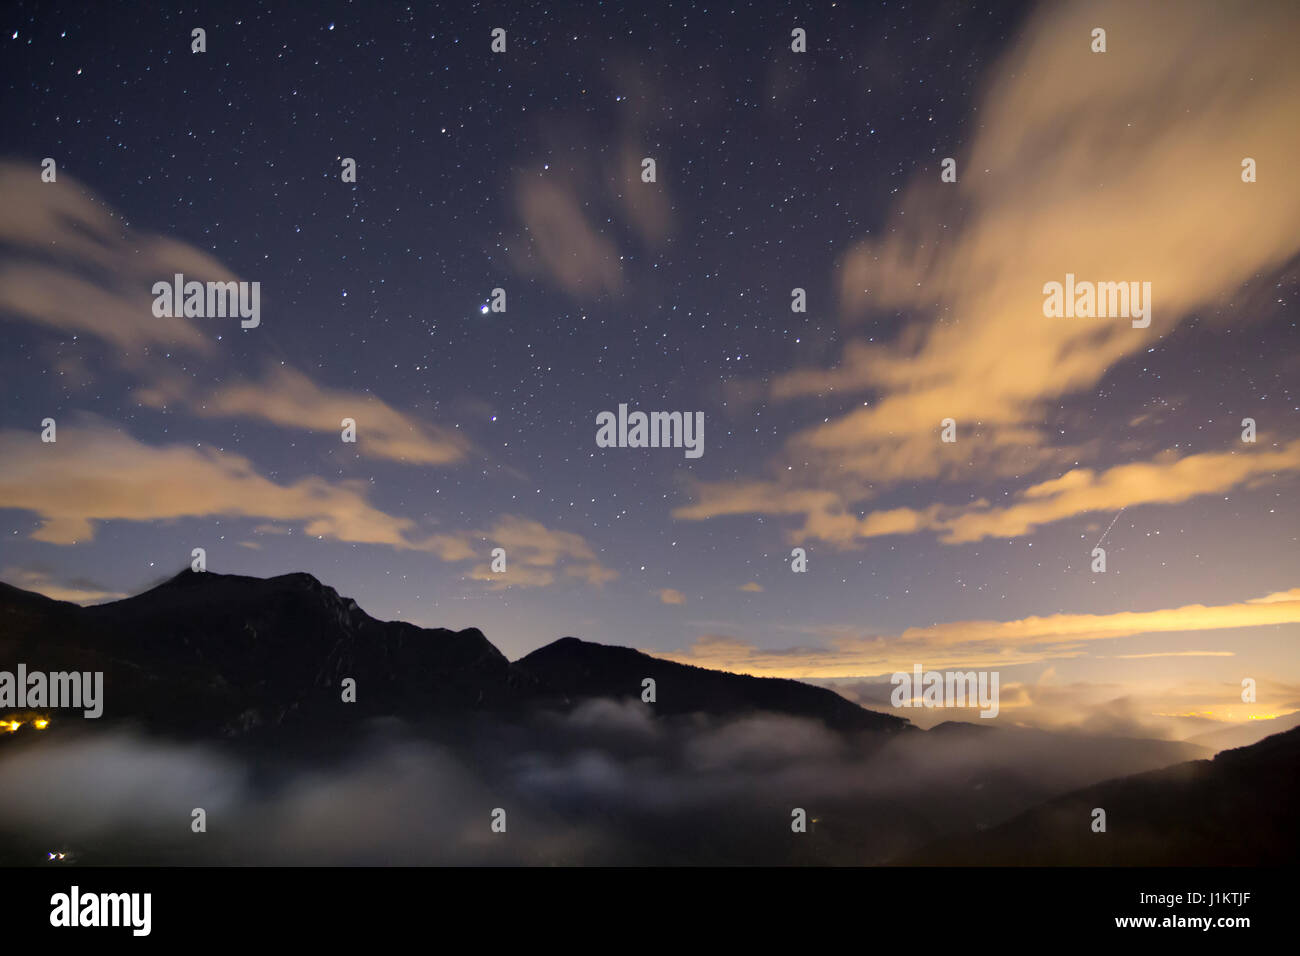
(97, 473)
(978, 643)
(1139, 657)
(1166, 479)
(537, 555)
(1112, 166)
(1123, 166)
(78, 592)
(1292, 595)
(94, 473)
(70, 264)
(287, 397)
(1177, 708)
(671, 596)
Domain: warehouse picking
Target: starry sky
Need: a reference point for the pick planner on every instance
(775, 170)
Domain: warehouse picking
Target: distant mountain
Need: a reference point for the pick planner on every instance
(1027, 761)
(1237, 809)
(570, 670)
(1243, 735)
(221, 653)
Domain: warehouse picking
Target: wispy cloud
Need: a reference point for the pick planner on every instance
(562, 242)
(69, 263)
(1080, 163)
(287, 397)
(582, 206)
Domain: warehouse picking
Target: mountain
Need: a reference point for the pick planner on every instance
(248, 671)
(221, 653)
(208, 652)
(570, 670)
(1237, 809)
(1007, 769)
(1243, 736)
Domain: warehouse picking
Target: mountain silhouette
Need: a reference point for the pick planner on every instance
(222, 653)
(1237, 809)
(214, 652)
(1253, 731)
(252, 671)
(570, 670)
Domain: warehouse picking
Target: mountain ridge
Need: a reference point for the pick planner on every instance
(574, 666)
(207, 651)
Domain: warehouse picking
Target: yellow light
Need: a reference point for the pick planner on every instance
(41, 723)
(14, 725)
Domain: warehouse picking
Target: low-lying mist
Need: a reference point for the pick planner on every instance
(606, 783)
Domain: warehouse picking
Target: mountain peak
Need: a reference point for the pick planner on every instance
(296, 579)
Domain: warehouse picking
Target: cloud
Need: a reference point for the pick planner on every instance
(71, 264)
(753, 586)
(604, 784)
(762, 741)
(1136, 657)
(116, 781)
(645, 205)
(563, 241)
(671, 596)
(1291, 595)
(1123, 166)
(287, 397)
(1085, 163)
(1166, 479)
(584, 211)
(716, 499)
(976, 643)
(78, 590)
(536, 554)
(95, 473)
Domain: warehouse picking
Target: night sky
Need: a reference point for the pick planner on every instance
(775, 170)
